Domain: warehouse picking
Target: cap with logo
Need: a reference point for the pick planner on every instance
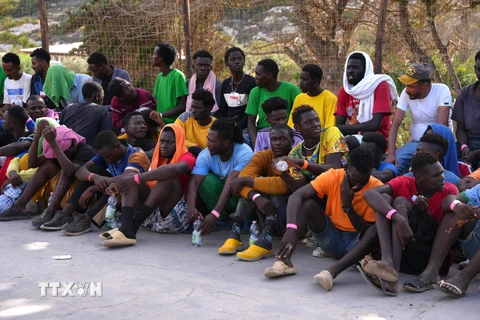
(416, 72)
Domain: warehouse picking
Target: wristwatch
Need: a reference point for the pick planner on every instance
(347, 210)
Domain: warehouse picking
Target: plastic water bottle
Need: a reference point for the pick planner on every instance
(196, 237)
(117, 222)
(110, 213)
(253, 233)
(50, 199)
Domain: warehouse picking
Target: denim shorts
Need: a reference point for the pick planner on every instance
(472, 243)
(335, 242)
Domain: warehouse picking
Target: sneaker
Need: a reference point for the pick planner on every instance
(80, 226)
(14, 214)
(58, 222)
(43, 218)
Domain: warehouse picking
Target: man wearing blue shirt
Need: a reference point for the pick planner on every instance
(375, 142)
(216, 167)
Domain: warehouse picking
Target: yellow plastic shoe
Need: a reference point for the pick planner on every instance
(230, 246)
(254, 253)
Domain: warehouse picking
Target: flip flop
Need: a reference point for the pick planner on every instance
(382, 283)
(279, 269)
(118, 239)
(417, 285)
(325, 279)
(372, 267)
(108, 234)
(440, 286)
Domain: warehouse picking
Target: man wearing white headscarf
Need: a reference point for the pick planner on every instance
(365, 98)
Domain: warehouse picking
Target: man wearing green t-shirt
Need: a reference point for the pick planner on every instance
(268, 86)
(170, 90)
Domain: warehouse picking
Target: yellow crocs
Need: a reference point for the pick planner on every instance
(231, 246)
(254, 253)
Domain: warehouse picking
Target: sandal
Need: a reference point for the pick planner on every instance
(279, 269)
(417, 285)
(444, 287)
(371, 266)
(108, 234)
(118, 239)
(382, 288)
(319, 253)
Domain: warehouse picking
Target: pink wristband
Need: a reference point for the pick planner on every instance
(137, 180)
(454, 203)
(292, 225)
(255, 196)
(390, 214)
(216, 214)
(463, 147)
(90, 177)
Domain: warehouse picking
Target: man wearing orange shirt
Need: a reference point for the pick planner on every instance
(337, 229)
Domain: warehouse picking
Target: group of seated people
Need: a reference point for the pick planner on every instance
(304, 163)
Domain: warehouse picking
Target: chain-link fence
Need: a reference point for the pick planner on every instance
(293, 32)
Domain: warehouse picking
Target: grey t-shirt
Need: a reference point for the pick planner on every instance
(467, 110)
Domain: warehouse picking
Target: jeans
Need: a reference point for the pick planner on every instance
(404, 156)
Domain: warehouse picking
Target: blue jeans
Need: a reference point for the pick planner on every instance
(472, 243)
(404, 156)
(335, 242)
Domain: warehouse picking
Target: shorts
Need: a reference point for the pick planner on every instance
(175, 222)
(335, 242)
(472, 243)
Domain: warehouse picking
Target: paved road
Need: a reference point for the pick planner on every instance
(164, 277)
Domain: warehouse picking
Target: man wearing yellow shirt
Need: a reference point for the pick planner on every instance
(198, 120)
(323, 101)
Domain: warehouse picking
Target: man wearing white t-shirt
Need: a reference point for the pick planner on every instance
(17, 84)
(428, 103)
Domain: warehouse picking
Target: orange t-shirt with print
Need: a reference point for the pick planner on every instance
(329, 184)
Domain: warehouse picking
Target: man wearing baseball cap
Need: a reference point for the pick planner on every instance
(428, 103)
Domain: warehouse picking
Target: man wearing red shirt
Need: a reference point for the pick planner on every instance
(127, 99)
(365, 98)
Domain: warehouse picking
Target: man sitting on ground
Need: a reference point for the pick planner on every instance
(375, 142)
(261, 189)
(197, 122)
(406, 226)
(119, 160)
(461, 223)
(64, 152)
(436, 143)
(88, 118)
(365, 98)
(103, 73)
(276, 110)
(127, 99)
(323, 101)
(159, 194)
(338, 227)
(136, 129)
(216, 168)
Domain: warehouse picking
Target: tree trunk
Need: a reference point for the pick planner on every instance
(441, 47)
(409, 37)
